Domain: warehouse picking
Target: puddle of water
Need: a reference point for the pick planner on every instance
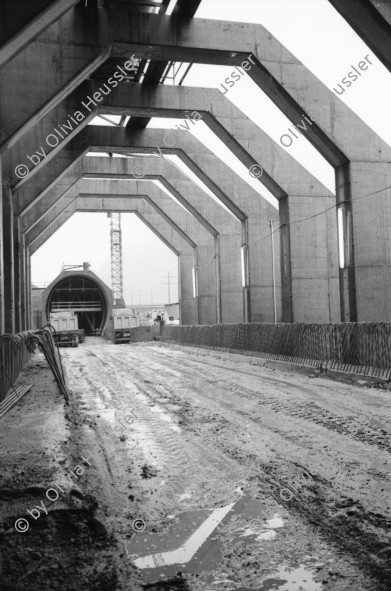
(265, 530)
(188, 546)
(191, 546)
(188, 549)
(291, 579)
(275, 521)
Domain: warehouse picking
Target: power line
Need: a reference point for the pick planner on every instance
(169, 283)
(334, 206)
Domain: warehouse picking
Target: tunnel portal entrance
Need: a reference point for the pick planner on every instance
(83, 296)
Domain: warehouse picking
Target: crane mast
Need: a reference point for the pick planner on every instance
(116, 259)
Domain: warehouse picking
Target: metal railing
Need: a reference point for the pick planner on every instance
(363, 347)
(14, 355)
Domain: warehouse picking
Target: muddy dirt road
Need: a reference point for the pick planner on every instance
(236, 473)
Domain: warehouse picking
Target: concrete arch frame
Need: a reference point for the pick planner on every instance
(245, 242)
(240, 184)
(220, 214)
(172, 236)
(286, 70)
(287, 257)
(27, 218)
(32, 217)
(285, 266)
(171, 213)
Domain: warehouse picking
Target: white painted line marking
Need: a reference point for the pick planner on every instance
(185, 553)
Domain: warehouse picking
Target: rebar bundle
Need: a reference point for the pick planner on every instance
(14, 354)
(44, 341)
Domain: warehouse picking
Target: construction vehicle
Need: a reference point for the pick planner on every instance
(169, 319)
(124, 320)
(171, 314)
(67, 332)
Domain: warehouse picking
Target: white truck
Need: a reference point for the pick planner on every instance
(124, 320)
(67, 330)
(169, 318)
(171, 313)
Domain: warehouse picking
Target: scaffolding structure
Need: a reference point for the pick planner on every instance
(116, 258)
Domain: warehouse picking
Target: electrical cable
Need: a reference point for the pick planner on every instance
(334, 206)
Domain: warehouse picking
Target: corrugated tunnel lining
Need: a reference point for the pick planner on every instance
(85, 297)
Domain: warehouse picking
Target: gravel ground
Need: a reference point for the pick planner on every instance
(198, 469)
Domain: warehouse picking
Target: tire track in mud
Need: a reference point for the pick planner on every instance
(178, 462)
(343, 521)
(144, 417)
(342, 425)
(338, 474)
(107, 480)
(301, 411)
(249, 417)
(350, 426)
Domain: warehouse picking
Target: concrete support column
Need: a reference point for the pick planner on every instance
(245, 272)
(371, 203)
(2, 302)
(285, 264)
(8, 261)
(189, 304)
(231, 286)
(207, 282)
(265, 276)
(28, 286)
(24, 282)
(218, 279)
(18, 278)
(314, 259)
(344, 222)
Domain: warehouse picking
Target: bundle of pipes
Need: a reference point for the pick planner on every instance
(43, 340)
